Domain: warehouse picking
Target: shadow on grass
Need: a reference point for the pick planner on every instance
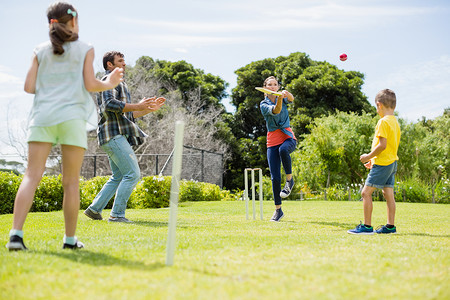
(351, 226)
(151, 223)
(102, 259)
(426, 234)
(336, 224)
(158, 224)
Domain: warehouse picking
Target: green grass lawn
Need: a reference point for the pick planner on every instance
(221, 255)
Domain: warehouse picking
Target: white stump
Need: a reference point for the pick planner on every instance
(174, 191)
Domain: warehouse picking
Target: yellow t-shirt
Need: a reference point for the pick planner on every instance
(387, 127)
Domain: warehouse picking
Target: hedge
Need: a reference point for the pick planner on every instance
(150, 192)
(154, 192)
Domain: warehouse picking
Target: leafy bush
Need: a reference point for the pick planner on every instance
(412, 190)
(442, 191)
(151, 192)
(211, 192)
(331, 151)
(9, 184)
(337, 193)
(190, 191)
(267, 189)
(49, 194)
(355, 191)
(199, 191)
(227, 195)
(90, 188)
(154, 192)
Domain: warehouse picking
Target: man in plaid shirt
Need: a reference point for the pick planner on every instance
(117, 133)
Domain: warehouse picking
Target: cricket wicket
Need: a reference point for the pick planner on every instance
(246, 197)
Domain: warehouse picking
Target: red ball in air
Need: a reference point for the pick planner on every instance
(343, 57)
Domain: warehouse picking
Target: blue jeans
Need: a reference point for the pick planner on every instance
(125, 176)
(277, 155)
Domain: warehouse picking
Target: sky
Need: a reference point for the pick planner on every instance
(403, 45)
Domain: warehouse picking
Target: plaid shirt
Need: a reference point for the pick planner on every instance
(113, 121)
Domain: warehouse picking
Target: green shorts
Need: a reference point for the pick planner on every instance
(72, 132)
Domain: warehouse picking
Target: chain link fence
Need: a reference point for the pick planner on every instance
(197, 164)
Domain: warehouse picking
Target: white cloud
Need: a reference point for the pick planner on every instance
(181, 50)
(290, 15)
(6, 78)
(422, 89)
(360, 10)
(184, 41)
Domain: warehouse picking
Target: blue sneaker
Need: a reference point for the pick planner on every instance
(287, 189)
(277, 215)
(384, 229)
(361, 229)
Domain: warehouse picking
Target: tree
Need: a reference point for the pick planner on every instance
(11, 166)
(180, 76)
(330, 153)
(191, 96)
(425, 150)
(322, 89)
(319, 89)
(335, 143)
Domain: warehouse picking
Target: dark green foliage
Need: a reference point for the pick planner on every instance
(199, 191)
(49, 194)
(154, 192)
(335, 143)
(337, 193)
(151, 192)
(333, 147)
(412, 191)
(9, 184)
(90, 188)
(324, 89)
(425, 150)
(319, 88)
(442, 191)
(181, 76)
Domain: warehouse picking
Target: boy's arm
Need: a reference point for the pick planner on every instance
(376, 151)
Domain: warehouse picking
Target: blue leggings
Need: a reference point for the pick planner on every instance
(277, 155)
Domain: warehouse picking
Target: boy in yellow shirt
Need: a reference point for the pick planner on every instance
(382, 162)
